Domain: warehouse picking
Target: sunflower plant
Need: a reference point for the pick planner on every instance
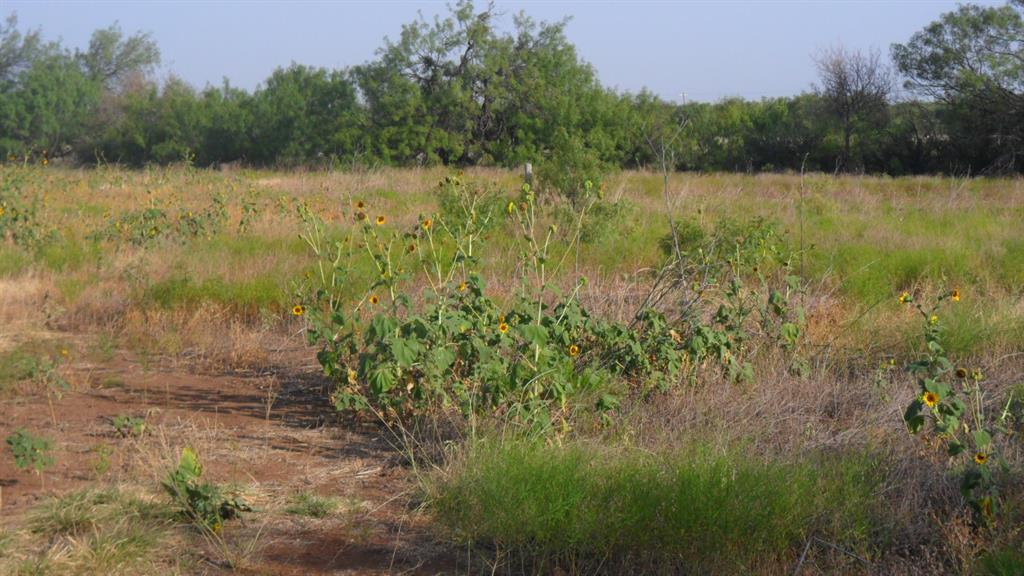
(155, 223)
(19, 212)
(532, 355)
(737, 288)
(950, 406)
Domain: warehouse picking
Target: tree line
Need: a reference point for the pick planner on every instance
(460, 91)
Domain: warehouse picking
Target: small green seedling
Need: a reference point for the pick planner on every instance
(102, 464)
(202, 503)
(30, 451)
(129, 425)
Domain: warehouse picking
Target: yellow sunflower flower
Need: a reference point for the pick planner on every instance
(930, 399)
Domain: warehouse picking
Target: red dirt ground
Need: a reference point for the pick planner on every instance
(299, 445)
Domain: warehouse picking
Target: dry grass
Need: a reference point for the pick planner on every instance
(867, 237)
(220, 304)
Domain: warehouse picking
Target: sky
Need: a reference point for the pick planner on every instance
(703, 49)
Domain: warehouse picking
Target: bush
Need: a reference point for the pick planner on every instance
(537, 353)
(572, 169)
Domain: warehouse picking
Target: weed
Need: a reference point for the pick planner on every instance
(96, 532)
(126, 425)
(312, 505)
(462, 348)
(1005, 562)
(202, 503)
(30, 452)
(102, 464)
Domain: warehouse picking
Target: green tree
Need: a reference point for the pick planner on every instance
(228, 123)
(439, 70)
(855, 88)
(17, 50)
(972, 59)
(45, 109)
(111, 58)
(304, 113)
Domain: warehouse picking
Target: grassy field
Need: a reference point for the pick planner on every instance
(170, 295)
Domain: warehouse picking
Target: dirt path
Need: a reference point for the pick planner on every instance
(272, 434)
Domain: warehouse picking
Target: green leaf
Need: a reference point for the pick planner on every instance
(607, 402)
(913, 417)
(790, 333)
(535, 335)
(949, 425)
(982, 439)
(189, 464)
(382, 379)
(441, 359)
(406, 351)
(940, 388)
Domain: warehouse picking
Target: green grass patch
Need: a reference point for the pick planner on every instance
(246, 247)
(702, 510)
(69, 254)
(91, 532)
(13, 261)
(1003, 562)
(26, 361)
(312, 505)
(870, 273)
(1009, 267)
(248, 296)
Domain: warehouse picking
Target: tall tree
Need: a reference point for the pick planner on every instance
(304, 113)
(855, 88)
(444, 60)
(111, 58)
(17, 50)
(46, 108)
(972, 59)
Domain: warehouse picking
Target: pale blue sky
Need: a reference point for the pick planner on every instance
(708, 50)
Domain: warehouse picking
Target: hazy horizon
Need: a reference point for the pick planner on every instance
(707, 50)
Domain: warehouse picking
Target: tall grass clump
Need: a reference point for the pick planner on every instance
(592, 509)
(91, 532)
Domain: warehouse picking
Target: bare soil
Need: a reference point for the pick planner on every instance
(271, 432)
